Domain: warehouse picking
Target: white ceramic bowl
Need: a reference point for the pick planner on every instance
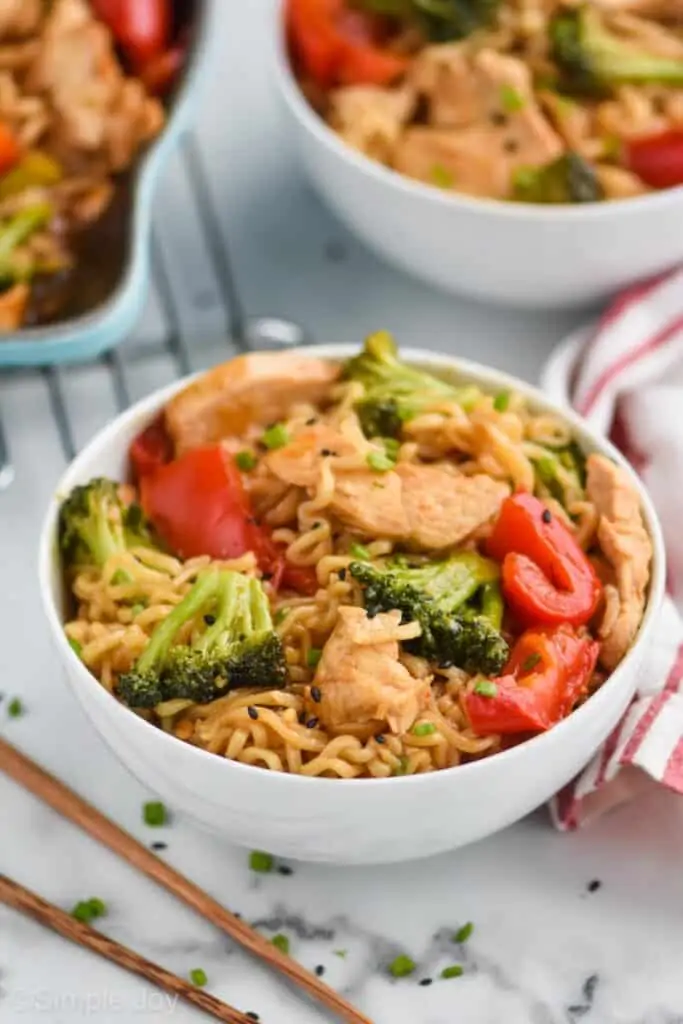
(504, 252)
(339, 821)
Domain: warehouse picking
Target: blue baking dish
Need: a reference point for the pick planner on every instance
(114, 273)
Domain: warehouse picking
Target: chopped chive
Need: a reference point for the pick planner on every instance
(501, 401)
(402, 966)
(423, 729)
(88, 910)
(245, 460)
(454, 971)
(198, 977)
(313, 657)
(120, 577)
(402, 766)
(261, 862)
(380, 462)
(276, 436)
(360, 552)
(281, 942)
(531, 662)
(341, 953)
(523, 178)
(463, 934)
(135, 611)
(154, 814)
(510, 100)
(280, 616)
(486, 688)
(15, 708)
(75, 646)
(441, 176)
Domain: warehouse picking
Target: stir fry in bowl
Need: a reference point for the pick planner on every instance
(354, 569)
(535, 101)
(81, 86)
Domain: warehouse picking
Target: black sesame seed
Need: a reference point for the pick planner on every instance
(342, 574)
(510, 146)
(284, 869)
(379, 738)
(252, 1016)
(547, 516)
(302, 718)
(266, 576)
(209, 619)
(237, 915)
(159, 846)
(252, 712)
(497, 117)
(311, 421)
(320, 970)
(252, 520)
(425, 981)
(326, 451)
(312, 723)
(594, 885)
(316, 695)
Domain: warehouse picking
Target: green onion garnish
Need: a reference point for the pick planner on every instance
(501, 401)
(441, 176)
(463, 934)
(510, 100)
(341, 953)
(88, 910)
(360, 552)
(276, 436)
(280, 616)
(313, 657)
(245, 461)
(154, 814)
(402, 766)
(120, 577)
(380, 462)
(137, 609)
(486, 688)
(15, 708)
(75, 646)
(392, 447)
(402, 966)
(198, 977)
(454, 971)
(423, 729)
(531, 662)
(261, 862)
(281, 942)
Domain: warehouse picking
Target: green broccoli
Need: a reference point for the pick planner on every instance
(234, 646)
(593, 60)
(569, 179)
(441, 21)
(456, 601)
(396, 392)
(95, 524)
(561, 473)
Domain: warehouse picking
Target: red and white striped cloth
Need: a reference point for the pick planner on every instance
(625, 375)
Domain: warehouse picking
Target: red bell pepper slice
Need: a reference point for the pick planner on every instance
(151, 449)
(657, 159)
(10, 150)
(548, 671)
(335, 45)
(199, 506)
(547, 579)
(141, 27)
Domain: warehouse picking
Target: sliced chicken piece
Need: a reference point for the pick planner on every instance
(444, 508)
(360, 678)
(618, 183)
(19, 18)
(627, 546)
(443, 74)
(371, 504)
(370, 118)
(499, 127)
(299, 462)
(252, 389)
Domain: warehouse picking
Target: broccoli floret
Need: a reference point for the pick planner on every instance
(234, 645)
(593, 60)
(456, 601)
(561, 474)
(440, 20)
(95, 524)
(569, 179)
(396, 392)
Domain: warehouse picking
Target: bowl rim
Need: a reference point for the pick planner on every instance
(51, 337)
(446, 199)
(491, 380)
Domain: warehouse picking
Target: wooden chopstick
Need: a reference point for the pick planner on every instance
(15, 895)
(70, 805)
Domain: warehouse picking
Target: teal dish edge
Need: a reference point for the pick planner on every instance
(94, 333)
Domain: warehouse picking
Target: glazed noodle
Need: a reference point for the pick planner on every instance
(546, 101)
(365, 691)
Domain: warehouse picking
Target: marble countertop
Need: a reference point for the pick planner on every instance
(583, 927)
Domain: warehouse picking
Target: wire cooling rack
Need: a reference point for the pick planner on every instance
(165, 341)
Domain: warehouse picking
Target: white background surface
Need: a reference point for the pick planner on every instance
(539, 935)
